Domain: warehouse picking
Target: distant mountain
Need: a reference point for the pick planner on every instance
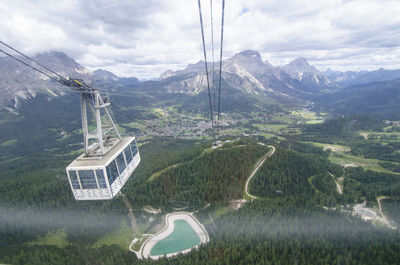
(105, 75)
(378, 99)
(18, 82)
(108, 76)
(307, 74)
(245, 77)
(247, 73)
(350, 78)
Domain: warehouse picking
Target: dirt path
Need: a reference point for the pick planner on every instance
(385, 219)
(338, 187)
(130, 209)
(379, 203)
(158, 173)
(259, 164)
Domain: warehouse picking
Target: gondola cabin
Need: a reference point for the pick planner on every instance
(102, 177)
(108, 159)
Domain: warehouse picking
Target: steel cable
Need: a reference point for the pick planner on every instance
(220, 62)
(205, 62)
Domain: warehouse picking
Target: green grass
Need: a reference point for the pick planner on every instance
(314, 121)
(135, 125)
(270, 127)
(270, 135)
(310, 179)
(155, 175)
(332, 147)
(356, 161)
(121, 237)
(381, 137)
(308, 115)
(9, 142)
(231, 131)
(221, 211)
(54, 238)
(340, 156)
(159, 112)
(284, 119)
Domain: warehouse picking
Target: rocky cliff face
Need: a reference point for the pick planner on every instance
(247, 73)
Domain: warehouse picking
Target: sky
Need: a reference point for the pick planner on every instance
(144, 38)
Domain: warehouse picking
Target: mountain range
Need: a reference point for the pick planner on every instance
(247, 72)
(244, 74)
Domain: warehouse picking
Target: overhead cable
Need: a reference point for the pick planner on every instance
(212, 51)
(62, 80)
(205, 62)
(34, 68)
(29, 58)
(220, 61)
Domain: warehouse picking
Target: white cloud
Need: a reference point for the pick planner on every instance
(144, 38)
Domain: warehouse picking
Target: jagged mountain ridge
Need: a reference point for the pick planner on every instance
(351, 78)
(302, 71)
(19, 82)
(107, 76)
(378, 99)
(246, 72)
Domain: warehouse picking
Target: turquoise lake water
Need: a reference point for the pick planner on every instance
(183, 237)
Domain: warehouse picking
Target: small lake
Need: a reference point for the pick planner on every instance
(183, 237)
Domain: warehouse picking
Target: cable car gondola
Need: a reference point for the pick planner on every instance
(101, 178)
(106, 165)
(109, 161)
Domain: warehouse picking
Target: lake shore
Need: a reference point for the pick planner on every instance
(168, 229)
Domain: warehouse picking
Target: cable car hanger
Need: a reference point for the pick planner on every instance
(214, 122)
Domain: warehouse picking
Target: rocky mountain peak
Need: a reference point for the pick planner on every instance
(300, 65)
(106, 75)
(249, 60)
(60, 62)
(248, 57)
(167, 74)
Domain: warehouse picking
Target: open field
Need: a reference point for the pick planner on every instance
(53, 238)
(9, 142)
(340, 155)
(121, 237)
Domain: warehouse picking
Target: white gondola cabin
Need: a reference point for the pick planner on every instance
(101, 178)
(107, 163)
(109, 159)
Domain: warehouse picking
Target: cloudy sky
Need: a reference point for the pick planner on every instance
(144, 38)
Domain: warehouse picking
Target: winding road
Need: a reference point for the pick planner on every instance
(259, 164)
(338, 187)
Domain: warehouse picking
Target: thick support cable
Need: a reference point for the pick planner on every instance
(212, 51)
(205, 61)
(62, 80)
(220, 61)
(34, 68)
(29, 58)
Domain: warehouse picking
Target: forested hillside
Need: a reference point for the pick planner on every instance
(285, 225)
(289, 174)
(273, 231)
(377, 99)
(200, 176)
